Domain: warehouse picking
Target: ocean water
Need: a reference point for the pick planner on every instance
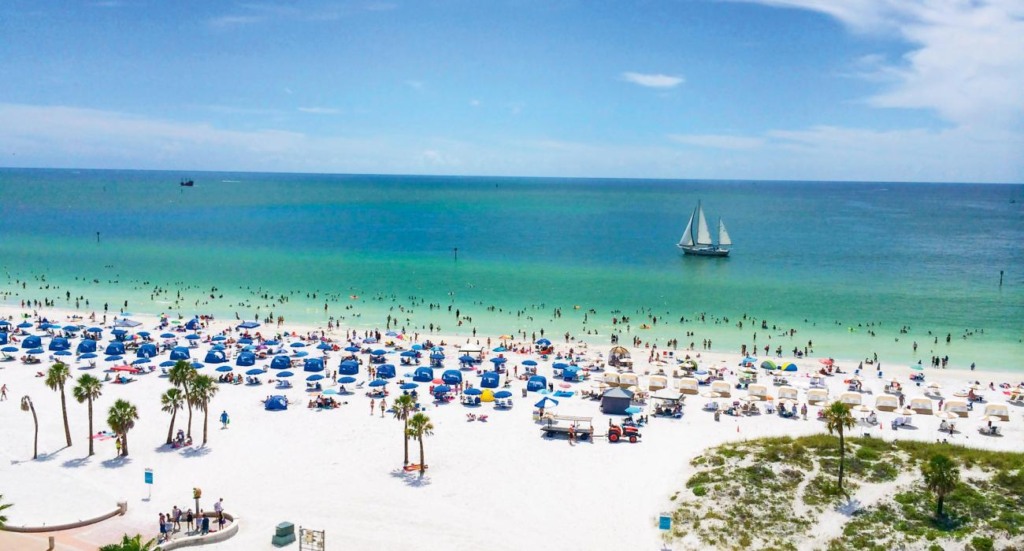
(859, 268)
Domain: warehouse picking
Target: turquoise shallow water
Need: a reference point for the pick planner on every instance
(824, 258)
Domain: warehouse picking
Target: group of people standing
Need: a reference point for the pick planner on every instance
(170, 523)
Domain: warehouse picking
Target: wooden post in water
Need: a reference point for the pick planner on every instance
(1000, 279)
(456, 251)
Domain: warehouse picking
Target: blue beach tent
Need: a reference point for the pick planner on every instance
(245, 359)
(86, 346)
(280, 362)
(537, 382)
(215, 357)
(451, 377)
(423, 375)
(115, 348)
(386, 371)
(491, 379)
(59, 343)
(349, 367)
(147, 350)
(32, 341)
(193, 324)
(313, 364)
(276, 403)
(179, 353)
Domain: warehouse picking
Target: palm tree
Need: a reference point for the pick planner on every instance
(55, 379)
(26, 405)
(133, 543)
(420, 426)
(171, 401)
(838, 419)
(3, 507)
(941, 476)
(182, 375)
(204, 388)
(89, 388)
(121, 418)
(403, 406)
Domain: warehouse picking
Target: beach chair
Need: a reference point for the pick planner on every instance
(482, 418)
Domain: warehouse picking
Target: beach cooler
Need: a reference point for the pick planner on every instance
(284, 534)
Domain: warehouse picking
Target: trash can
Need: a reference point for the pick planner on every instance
(524, 393)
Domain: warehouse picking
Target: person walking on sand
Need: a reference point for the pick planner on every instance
(383, 407)
(3, 392)
(224, 419)
(372, 404)
(117, 446)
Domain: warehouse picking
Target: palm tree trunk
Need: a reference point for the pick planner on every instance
(35, 442)
(842, 458)
(189, 403)
(205, 415)
(170, 430)
(938, 510)
(405, 433)
(124, 445)
(423, 464)
(64, 410)
(90, 428)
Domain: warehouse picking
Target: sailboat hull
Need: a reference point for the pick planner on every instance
(704, 251)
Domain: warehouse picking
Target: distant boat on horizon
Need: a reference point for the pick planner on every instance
(696, 240)
(187, 183)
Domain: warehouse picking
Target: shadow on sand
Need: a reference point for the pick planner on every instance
(117, 462)
(196, 451)
(76, 463)
(411, 478)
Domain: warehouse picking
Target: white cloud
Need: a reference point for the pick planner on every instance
(720, 141)
(653, 80)
(966, 61)
(320, 110)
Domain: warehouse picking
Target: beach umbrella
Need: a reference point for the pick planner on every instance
(219, 338)
(417, 346)
(378, 382)
(88, 356)
(546, 402)
(197, 365)
(114, 358)
(193, 337)
(284, 374)
(408, 386)
(35, 351)
(143, 333)
(379, 352)
(167, 335)
(499, 349)
(94, 330)
(503, 394)
(4, 323)
(298, 344)
(71, 328)
(466, 358)
(559, 365)
(301, 354)
(119, 331)
(62, 353)
(442, 389)
(315, 377)
(351, 349)
(24, 325)
(409, 354)
(437, 349)
(473, 392)
(245, 340)
(498, 361)
(543, 342)
(9, 349)
(254, 371)
(391, 334)
(324, 346)
(633, 410)
(530, 363)
(369, 340)
(141, 361)
(167, 363)
(271, 342)
(347, 380)
(225, 368)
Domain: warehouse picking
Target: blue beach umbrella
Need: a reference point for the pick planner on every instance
(225, 368)
(112, 358)
(503, 394)
(193, 337)
(559, 365)
(301, 354)
(378, 382)
(498, 361)
(141, 361)
(88, 356)
(347, 380)
(379, 352)
(35, 351)
(408, 386)
(530, 363)
(197, 365)
(465, 358)
(24, 325)
(500, 349)
(168, 363)
(244, 340)
(417, 346)
(285, 374)
(369, 340)
(72, 328)
(442, 389)
(254, 371)
(143, 333)
(390, 334)
(473, 391)
(543, 342)
(9, 349)
(324, 346)
(271, 342)
(633, 410)
(218, 347)
(315, 377)
(546, 402)
(167, 336)
(351, 349)
(62, 353)
(409, 354)
(298, 344)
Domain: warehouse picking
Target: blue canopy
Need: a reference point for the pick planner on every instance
(59, 343)
(503, 394)
(349, 367)
(535, 383)
(193, 337)
(114, 348)
(313, 364)
(530, 363)
(179, 353)
(570, 373)
(245, 359)
(442, 389)
(32, 341)
(408, 386)
(193, 324)
(3, 338)
(88, 356)
(86, 345)
(225, 368)
(499, 360)
(215, 357)
(410, 354)
(378, 382)
(167, 363)
(491, 379)
(285, 374)
(254, 371)
(147, 350)
(248, 325)
(473, 392)
(386, 371)
(543, 342)
(315, 377)
(276, 403)
(280, 362)
(346, 380)
(546, 402)
(423, 375)
(451, 377)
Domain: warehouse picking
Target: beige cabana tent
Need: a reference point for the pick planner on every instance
(788, 393)
(616, 356)
(958, 407)
(850, 398)
(758, 391)
(657, 382)
(612, 379)
(921, 405)
(688, 385)
(817, 395)
(998, 410)
(723, 388)
(886, 402)
(629, 379)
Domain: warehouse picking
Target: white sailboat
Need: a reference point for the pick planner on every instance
(696, 238)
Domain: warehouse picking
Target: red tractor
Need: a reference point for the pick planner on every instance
(630, 432)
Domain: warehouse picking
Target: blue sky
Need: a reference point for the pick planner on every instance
(897, 90)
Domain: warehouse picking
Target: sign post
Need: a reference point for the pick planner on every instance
(148, 477)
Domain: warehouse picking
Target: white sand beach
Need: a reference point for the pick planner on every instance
(496, 483)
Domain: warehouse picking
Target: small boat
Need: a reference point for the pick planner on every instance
(187, 183)
(696, 239)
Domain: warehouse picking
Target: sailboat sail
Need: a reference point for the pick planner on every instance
(723, 236)
(687, 239)
(703, 235)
